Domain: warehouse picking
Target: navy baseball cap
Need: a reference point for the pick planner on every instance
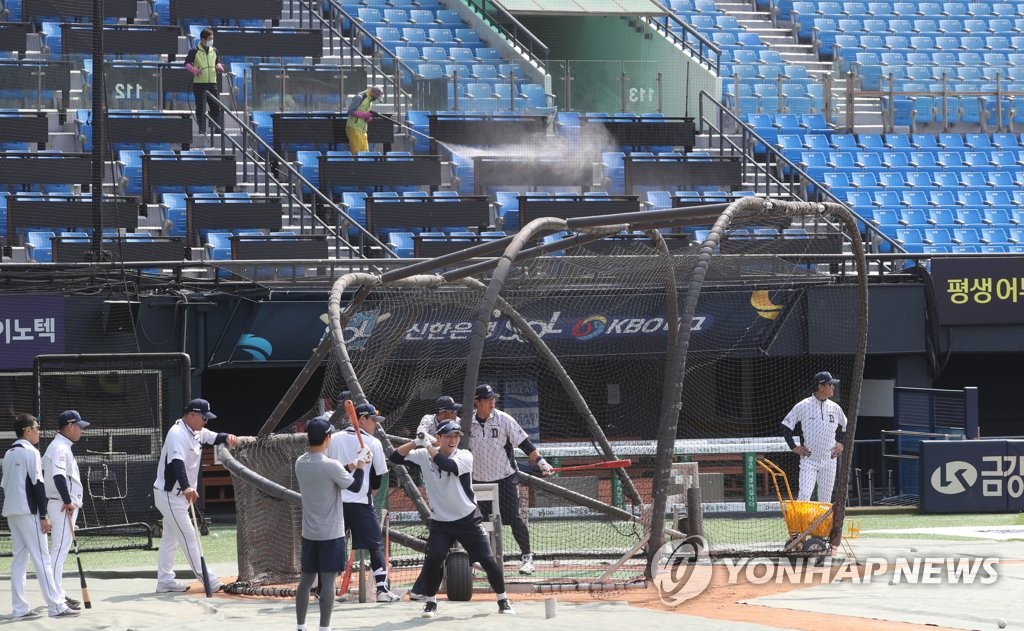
(449, 404)
(485, 391)
(68, 417)
(318, 429)
(200, 406)
(825, 377)
(365, 409)
(449, 427)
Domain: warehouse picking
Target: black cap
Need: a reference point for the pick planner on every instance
(68, 417)
(200, 406)
(448, 404)
(825, 377)
(365, 409)
(318, 429)
(485, 391)
(449, 427)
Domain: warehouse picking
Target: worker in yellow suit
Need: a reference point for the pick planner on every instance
(359, 116)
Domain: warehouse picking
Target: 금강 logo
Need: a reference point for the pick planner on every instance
(589, 327)
(954, 477)
(682, 570)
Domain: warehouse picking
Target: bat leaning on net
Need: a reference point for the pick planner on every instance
(81, 573)
(607, 464)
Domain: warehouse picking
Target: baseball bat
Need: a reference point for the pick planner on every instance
(202, 558)
(608, 464)
(347, 577)
(353, 419)
(386, 525)
(81, 573)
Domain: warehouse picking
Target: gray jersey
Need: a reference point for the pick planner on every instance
(494, 442)
(818, 421)
(321, 481)
(450, 496)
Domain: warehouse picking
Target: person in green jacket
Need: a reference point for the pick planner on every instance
(359, 116)
(206, 66)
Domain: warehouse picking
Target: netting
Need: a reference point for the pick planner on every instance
(582, 349)
(126, 398)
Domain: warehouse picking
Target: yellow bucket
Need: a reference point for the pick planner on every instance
(799, 515)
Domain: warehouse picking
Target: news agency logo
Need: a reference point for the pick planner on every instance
(682, 570)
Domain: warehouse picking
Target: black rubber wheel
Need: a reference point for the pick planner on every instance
(816, 549)
(459, 574)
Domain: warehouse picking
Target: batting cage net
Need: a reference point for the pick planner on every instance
(125, 398)
(588, 347)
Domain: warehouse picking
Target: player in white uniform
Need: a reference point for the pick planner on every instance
(821, 424)
(360, 516)
(447, 410)
(454, 516)
(175, 488)
(63, 485)
(495, 436)
(25, 510)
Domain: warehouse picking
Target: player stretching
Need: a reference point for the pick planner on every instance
(454, 516)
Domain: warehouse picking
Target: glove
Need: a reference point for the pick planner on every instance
(192, 69)
(366, 116)
(365, 455)
(423, 439)
(545, 468)
(220, 67)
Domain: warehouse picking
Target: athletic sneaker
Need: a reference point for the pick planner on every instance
(387, 596)
(72, 603)
(216, 587)
(505, 607)
(429, 610)
(28, 615)
(415, 596)
(176, 586)
(67, 613)
(526, 564)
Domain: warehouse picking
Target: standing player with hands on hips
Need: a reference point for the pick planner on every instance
(495, 436)
(360, 516)
(454, 516)
(175, 489)
(321, 483)
(821, 424)
(25, 510)
(63, 484)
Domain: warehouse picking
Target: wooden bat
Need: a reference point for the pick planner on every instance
(81, 573)
(353, 419)
(202, 558)
(347, 577)
(607, 464)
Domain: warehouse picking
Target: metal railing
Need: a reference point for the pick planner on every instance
(732, 136)
(670, 25)
(520, 36)
(256, 154)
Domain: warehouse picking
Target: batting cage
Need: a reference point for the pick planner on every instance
(681, 360)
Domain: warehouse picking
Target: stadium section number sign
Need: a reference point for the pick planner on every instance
(979, 290)
(30, 325)
(972, 476)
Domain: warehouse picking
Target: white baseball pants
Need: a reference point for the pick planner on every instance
(817, 472)
(27, 540)
(178, 531)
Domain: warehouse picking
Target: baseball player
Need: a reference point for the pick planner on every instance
(63, 485)
(360, 517)
(321, 481)
(25, 510)
(821, 425)
(454, 515)
(495, 436)
(447, 410)
(175, 488)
